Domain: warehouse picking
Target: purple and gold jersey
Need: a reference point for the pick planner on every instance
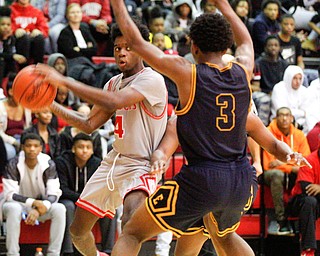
(211, 127)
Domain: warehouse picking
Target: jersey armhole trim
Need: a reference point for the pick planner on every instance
(192, 93)
(145, 109)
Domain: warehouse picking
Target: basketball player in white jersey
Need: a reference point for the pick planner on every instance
(138, 97)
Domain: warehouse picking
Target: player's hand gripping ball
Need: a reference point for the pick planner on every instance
(30, 90)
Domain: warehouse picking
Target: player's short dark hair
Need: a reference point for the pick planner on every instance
(270, 38)
(211, 33)
(81, 136)
(30, 136)
(266, 2)
(144, 31)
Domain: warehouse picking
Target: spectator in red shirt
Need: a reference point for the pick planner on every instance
(305, 202)
(312, 137)
(30, 29)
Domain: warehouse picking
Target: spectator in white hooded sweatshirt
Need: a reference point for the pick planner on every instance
(292, 94)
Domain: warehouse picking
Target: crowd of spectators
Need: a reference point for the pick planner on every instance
(69, 30)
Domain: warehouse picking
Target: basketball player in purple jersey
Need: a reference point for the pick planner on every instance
(218, 184)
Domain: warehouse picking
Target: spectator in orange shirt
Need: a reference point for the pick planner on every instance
(279, 175)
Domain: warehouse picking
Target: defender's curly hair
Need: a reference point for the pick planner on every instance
(211, 33)
(144, 31)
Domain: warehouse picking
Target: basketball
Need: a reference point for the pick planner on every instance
(30, 91)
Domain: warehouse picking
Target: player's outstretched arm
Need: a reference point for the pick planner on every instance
(244, 51)
(173, 66)
(166, 148)
(108, 100)
(257, 130)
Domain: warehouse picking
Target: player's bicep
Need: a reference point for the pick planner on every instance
(127, 97)
(173, 66)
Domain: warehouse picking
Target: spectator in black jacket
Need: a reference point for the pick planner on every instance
(75, 167)
(75, 39)
(265, 24)
(269, 68)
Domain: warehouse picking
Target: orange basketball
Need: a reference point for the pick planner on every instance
(30, 91)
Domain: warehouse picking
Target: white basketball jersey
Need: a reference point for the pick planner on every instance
(139, 128)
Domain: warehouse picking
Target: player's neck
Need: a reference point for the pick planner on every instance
(211, 57)
(137, 68)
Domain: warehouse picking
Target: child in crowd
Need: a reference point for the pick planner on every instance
(156, 25)
(30, 29)
(8, 55)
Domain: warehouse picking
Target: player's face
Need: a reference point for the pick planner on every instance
(271, 11)
(60, 66)
(157, 25)
(287, 26)
(83, 150)
(31, 148)
(296, 81)
(126, 59)
(242, 9)
(45, 116)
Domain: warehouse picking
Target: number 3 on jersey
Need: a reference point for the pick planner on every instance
(118, 130)
(226, 121)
